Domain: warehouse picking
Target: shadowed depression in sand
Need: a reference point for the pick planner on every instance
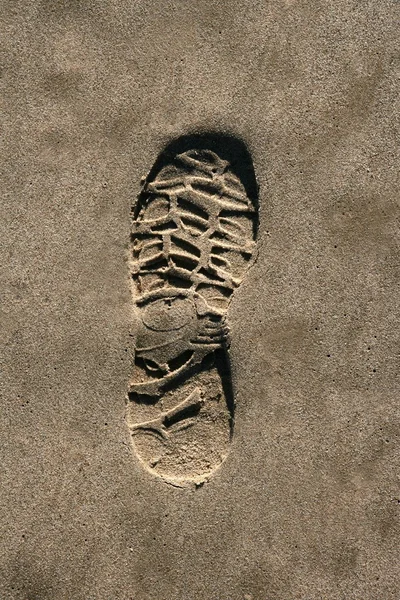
(192, 238)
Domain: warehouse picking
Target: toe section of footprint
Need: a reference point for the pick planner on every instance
(192, 237)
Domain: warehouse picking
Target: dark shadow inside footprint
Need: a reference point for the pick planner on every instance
(223, 364)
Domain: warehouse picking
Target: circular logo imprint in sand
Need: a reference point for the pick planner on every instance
(169, 314)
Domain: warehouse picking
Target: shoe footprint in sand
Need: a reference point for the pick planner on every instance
(192, 239)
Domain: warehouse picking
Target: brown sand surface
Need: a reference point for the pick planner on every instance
(306, 504)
